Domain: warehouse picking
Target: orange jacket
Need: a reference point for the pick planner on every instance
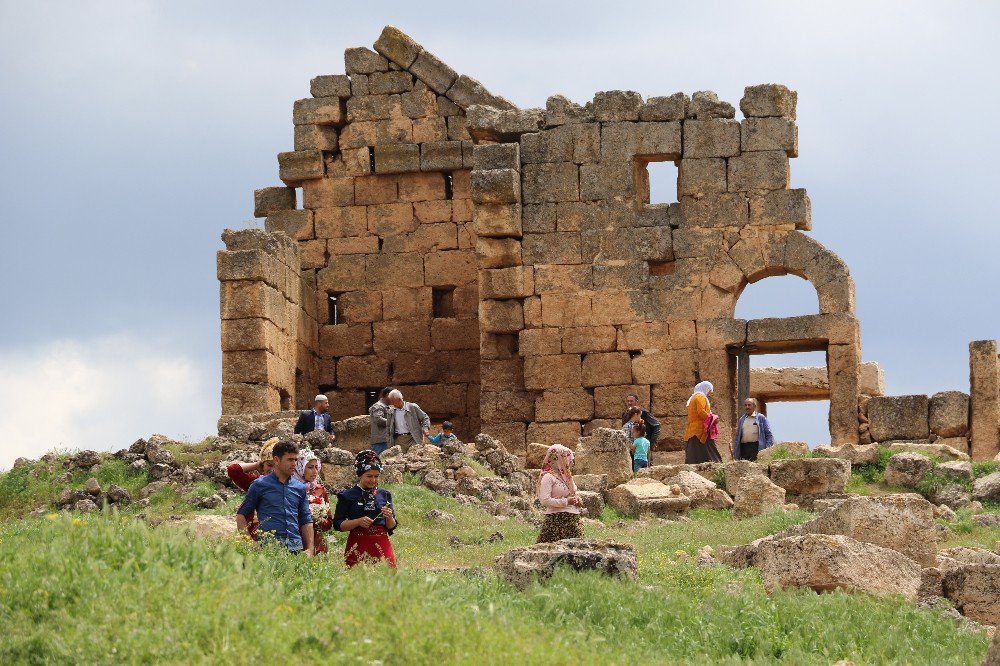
(698, 411)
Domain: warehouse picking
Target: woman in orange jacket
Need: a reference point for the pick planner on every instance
(700, 447)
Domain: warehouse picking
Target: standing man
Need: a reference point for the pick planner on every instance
(408, 424)
(753, 433)
(379, 413)
(281, 503)
(317, 418)
(652, 425)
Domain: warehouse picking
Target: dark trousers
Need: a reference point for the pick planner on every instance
(749, 450)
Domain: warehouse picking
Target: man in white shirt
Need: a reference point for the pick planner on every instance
(753, 433)
(408, 424)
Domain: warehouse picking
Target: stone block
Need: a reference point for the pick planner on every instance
(486, 123)
(501, 316)
(441, 156)
(270, 200)
(770, 134)
(754, 172)
(498, 252)
(601, 369)
(328, 192)
(432, 212)
(585, 339)
(251, 367)
(401, 336)
(556, 181)
(660, 140)
(609, 401)
(648, 496)
(362, 60)
(617, 105)
(345, 340)
(397, 158)
(506, 404)
(249, 265)
(811, 476)
(467, 91)
(249, 399)
(358, 306)
(715, 210)
(251, 334)
(554, 371)
(496, 156)
(319, 111)
(498, 220)
(339, 222)
(782, 208)
(949, 414)
(562, 278)
(296, 224)
(768, 99)
(421, 187)
(699, 177)
(343, 273)
(711, 138)
(706, 105)
(363, 371)
(514, 282)
(397, 46)
(412, 304)
(898, 417)
(563, 405)
(561, 111)
(674, 107)
(566, 433)
(376, 190)
(427, 130)
(438, 76)
(393, 270)
(539, 342)
(566, 310)
(496, 186)
(449, 268)
(316, 137)
(330, 85)
(554, 248)
(984, 399)
(297, 166)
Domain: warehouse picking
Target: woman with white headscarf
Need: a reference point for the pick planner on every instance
(307, 473)
(701, 423)
(557, 494)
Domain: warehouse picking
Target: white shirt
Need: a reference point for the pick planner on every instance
(751, 432)
(399, 417)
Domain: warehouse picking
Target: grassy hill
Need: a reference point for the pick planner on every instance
(105, 588)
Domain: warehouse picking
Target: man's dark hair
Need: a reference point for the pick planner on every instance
(635, 395)
(639, 428)
(386, 391)
(632, 411)
(447, 425)
(284, 447)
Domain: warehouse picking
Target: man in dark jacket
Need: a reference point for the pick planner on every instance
(317, 418)
(652, 425)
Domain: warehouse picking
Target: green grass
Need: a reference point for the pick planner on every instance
(113, 589)
(985, 467)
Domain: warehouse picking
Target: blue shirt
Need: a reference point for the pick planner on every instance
(317, 421)
(641, 445)
(440, 438)
(282, 508)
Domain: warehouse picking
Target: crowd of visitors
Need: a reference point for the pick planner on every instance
(287, 503)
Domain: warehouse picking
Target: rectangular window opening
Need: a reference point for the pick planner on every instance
(371, 397)
(444, 302)
(661, 182)
(333, 308)
(449, 184)
(371, 158)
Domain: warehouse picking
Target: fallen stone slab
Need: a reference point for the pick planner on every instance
(648, 496)
(704, 494)
(756, 494)
(824, 562)
(975, 591)
(943, 451)
(857, 454)
(593, 502)
(539, 561)
(738, 469)
(606, 452)
(987, 488)
(792, 448)
(907, 469)
(811, 476)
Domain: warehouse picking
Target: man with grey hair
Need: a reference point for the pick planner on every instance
(317, 418)
(407, 423)
(753, 433)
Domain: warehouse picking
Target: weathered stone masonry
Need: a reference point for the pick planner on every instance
(505, 268)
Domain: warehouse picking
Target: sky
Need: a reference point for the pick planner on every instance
(134, 133)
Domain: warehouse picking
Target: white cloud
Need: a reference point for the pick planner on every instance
(101, 394)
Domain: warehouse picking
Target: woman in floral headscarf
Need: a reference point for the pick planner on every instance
(307, 473)
(366, 512)
(242, 474)
(557, 494)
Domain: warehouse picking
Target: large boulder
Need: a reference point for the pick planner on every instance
(907, 469)
(596, 483)
(811, 476)
(539, 561)
(825, 562)
(354, 434)
(975, 591)
(209, 526)
(953, 495)
(648, 496)
(704, 494)
(903, 522)
(605, 452)
(949, 414)
(857, 454)
(898, 417)
(987, 488)
(783, 448)
(592, 502)
(535, 455)
(993, 656)
(940, 448)
(956, 470)
(737, 470)
(756, 494)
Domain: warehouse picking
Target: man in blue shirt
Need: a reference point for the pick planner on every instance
(753, 433)
(281, 503)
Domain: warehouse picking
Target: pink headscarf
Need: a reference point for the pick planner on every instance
(557, 462)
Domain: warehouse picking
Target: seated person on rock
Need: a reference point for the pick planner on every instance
(307, 473)
(242, 474)
(317, 418)
(446, 436)
(366, 511)
(281, 503)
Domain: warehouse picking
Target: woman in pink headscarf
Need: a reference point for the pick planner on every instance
(557, 494)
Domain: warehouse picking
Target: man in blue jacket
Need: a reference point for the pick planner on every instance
(753, 433)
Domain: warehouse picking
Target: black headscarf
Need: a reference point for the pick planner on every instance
(367, 461)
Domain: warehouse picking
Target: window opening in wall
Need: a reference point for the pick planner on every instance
(286, 399)
(662, 267)
(325, 388)
(333, 308)
(298, 198)
(777, 296)
(449, 184)
(661, 182)
(371, 397)
(800, 421)
(380, 242)
(371, 158)
(444, 302)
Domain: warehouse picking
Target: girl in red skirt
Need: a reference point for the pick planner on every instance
(366, 512)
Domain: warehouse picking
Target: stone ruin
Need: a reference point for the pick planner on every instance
(505, 268)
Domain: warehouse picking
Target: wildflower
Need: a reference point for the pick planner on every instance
(53, 516)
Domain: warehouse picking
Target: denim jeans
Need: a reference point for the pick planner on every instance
(380, 447)
(639, 464)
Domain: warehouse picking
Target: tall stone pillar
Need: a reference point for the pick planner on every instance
(984, 403)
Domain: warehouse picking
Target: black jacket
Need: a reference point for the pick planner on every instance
(355, 502)
(307, 422)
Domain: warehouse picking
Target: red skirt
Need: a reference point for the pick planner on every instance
(369, 545)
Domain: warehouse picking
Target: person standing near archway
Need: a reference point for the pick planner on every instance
(701, 424)
(753, 432)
